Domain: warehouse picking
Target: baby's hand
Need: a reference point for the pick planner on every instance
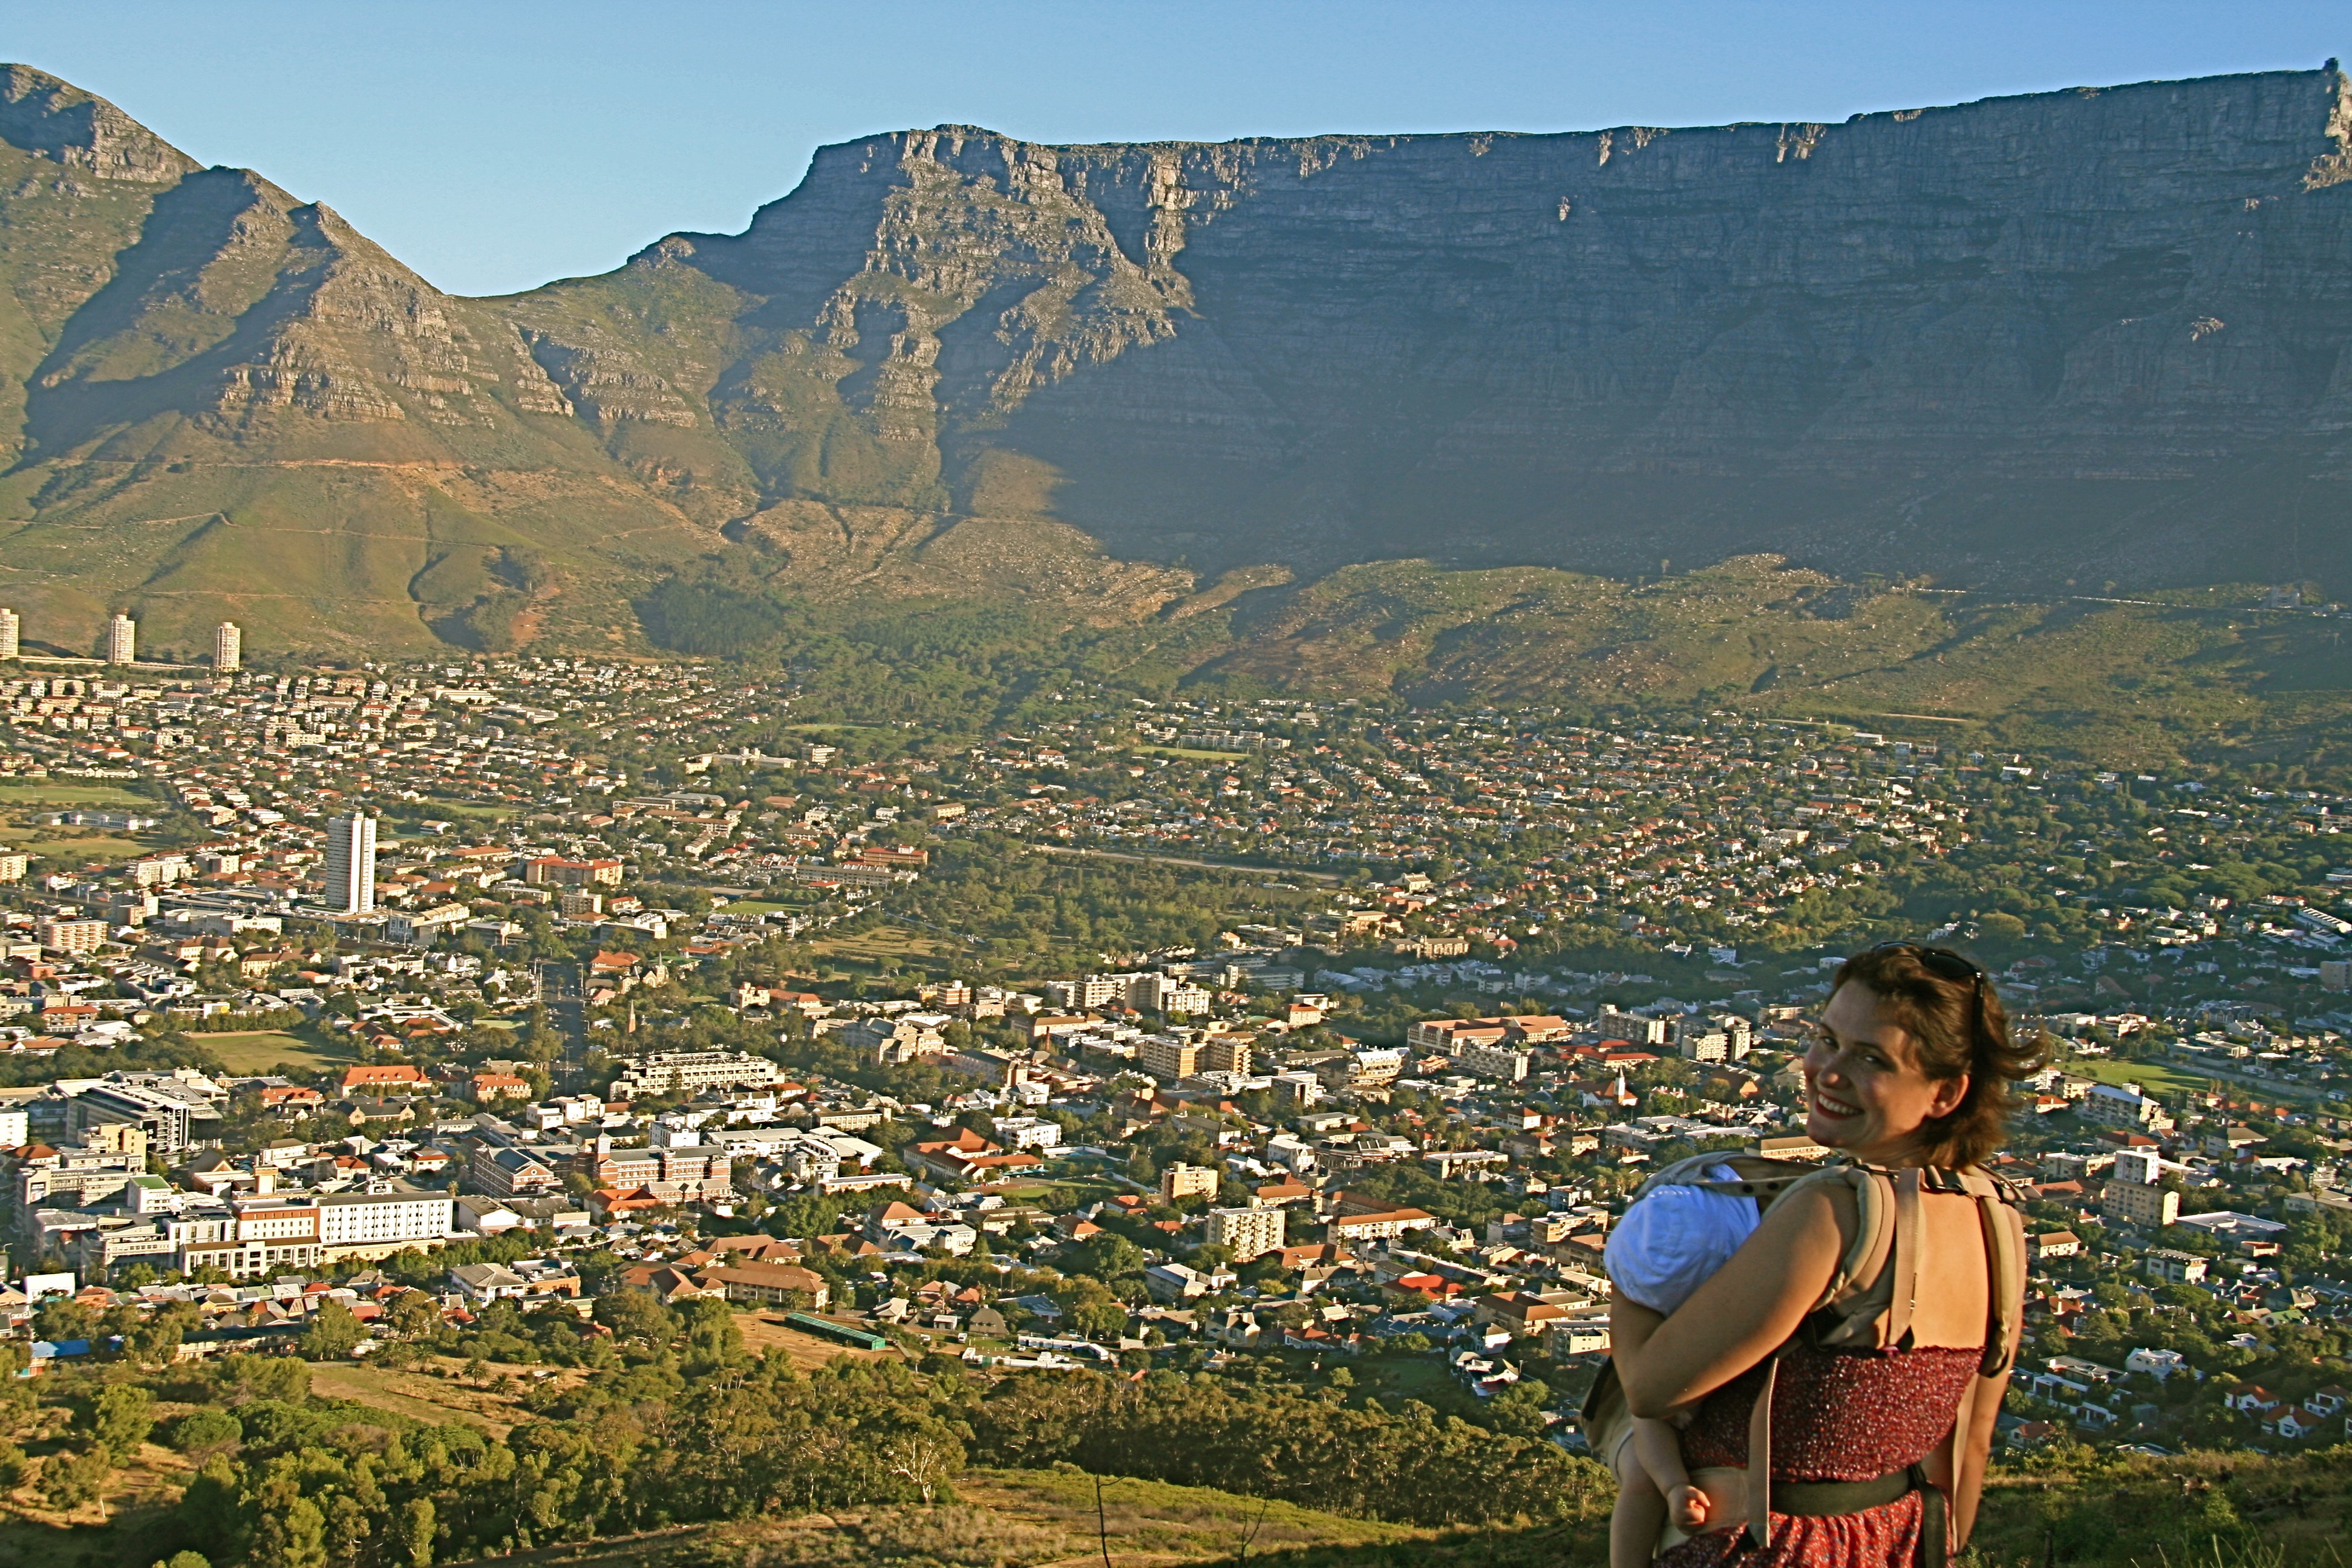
(1687, 1505)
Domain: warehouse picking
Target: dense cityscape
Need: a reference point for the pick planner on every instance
(455, 1031)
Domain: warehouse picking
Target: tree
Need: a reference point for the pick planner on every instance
(334, 1333)
(121, 1418)
(414, 1532)
(156, 1342)
(292, 1536)
(70, 1481)
(64, 1319)
(413, 1314)
(635, 1315)
(925, 1458)
(202, 1433)
(1110, 1255)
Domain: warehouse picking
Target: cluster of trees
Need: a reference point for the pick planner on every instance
(1278, 1440)
(1058, 912)
(682, 1426)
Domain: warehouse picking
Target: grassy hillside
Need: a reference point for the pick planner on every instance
(2198, 1512)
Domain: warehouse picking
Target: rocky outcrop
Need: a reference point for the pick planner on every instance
(57, 120)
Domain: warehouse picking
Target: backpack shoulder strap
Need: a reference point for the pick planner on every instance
(2005, 1268)
(1910, 1237)
(1753, 1176)
(1868, 1276)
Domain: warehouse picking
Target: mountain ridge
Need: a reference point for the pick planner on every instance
(2088, 336)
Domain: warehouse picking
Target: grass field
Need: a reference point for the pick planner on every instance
(57, 791)
(66, 847)
(2156, 1077)
(474, 812)
(765, 1332)
(261, 1050)
(883, 944)
(419, 1393)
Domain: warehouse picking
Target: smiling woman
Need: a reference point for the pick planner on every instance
(1836, 1382)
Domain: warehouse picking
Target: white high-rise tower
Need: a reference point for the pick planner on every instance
(122, 639)
(350, 864)
(229, 649)
(10, 632)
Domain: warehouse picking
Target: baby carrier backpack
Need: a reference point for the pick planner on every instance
(1866, 1305)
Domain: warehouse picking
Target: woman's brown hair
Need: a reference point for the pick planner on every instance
(1946, 1004)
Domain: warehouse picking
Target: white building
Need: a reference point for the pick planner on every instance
(11, 633)
(122, 639)
(1028, 1133)
(2123, 1107)
(377, 1225)
(1249, 1233)
(229, 649)
(350, 864)
(672, 1072)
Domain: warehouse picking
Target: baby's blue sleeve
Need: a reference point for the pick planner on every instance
(1671, 1241)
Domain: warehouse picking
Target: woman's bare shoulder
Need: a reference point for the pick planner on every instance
(1811, 1206)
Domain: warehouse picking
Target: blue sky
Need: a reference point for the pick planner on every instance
(496, 144)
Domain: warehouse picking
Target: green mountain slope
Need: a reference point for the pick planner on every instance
(229, 403)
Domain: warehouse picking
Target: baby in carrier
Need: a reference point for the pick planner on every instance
(1671, 1241)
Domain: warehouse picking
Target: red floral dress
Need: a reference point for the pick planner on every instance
(1837, 1416)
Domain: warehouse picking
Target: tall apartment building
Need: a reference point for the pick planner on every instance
(1495, 1061)
(1248, 1233)
(2133, 1196)
(1227, 1053)
(122, 639)
(1631, 1027)
(12, 630)
(64, 935)
(229, 649)
(1164, 1056)
(1182, 1180)
(166, 1117)
(2138, 1203)
(2114, 1105)
(350, 864)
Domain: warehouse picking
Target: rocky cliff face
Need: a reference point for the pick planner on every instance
(2094, 336)
(2088, 331)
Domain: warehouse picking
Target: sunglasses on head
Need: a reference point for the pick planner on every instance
(1943, 961)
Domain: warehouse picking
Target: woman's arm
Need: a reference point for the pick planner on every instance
(1974, 1446)
(1740, 1316)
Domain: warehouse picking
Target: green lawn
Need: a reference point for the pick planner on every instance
(261, 1051)
(2159, 1079)
(66, 847)
(884, 943)
(58, 792)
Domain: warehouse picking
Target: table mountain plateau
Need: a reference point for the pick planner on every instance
(2091, 338)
